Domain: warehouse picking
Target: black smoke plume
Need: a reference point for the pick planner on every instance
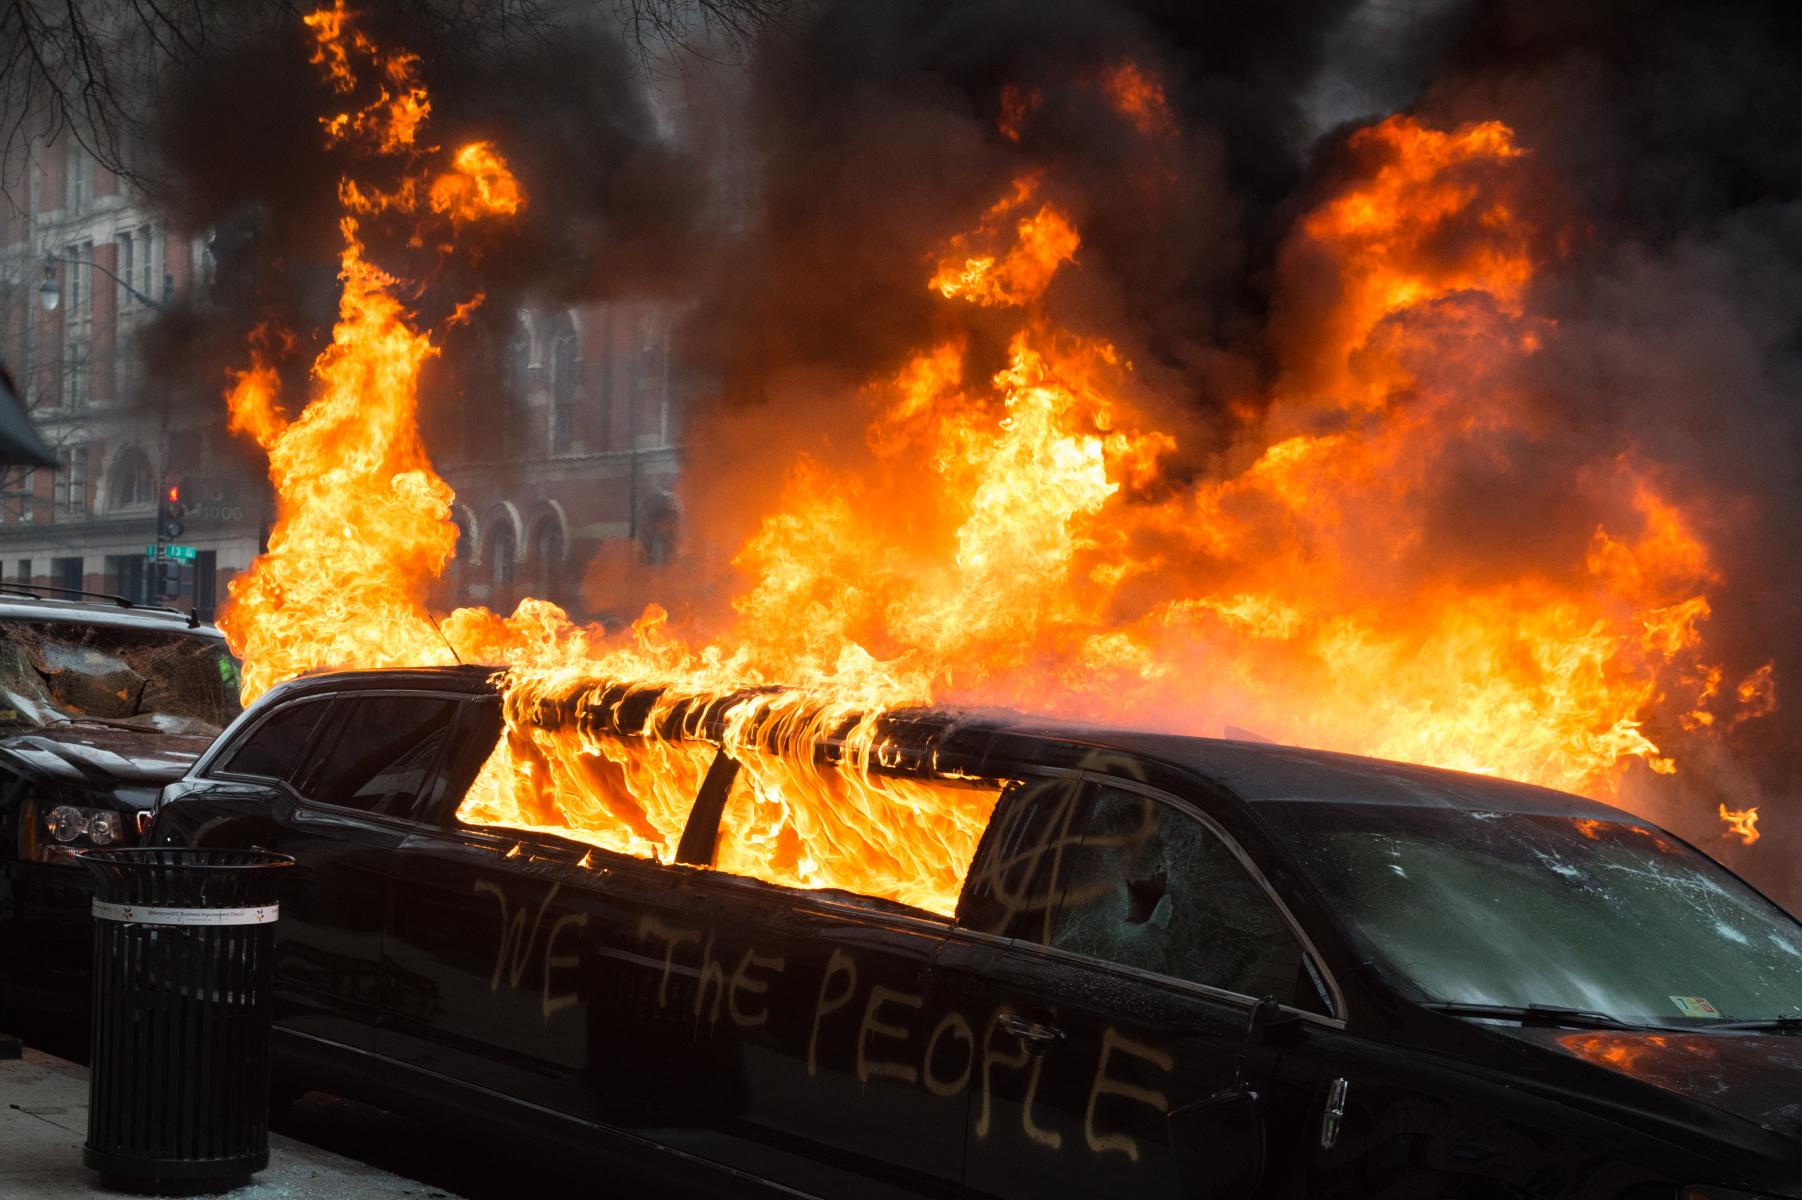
(1665, 137)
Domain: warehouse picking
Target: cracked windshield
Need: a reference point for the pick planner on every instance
(53, 673)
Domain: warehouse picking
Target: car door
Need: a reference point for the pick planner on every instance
(1112, 1023)
(477, 935)
(517, 962)
(812, 1015)
(330, 780)
(348, 807)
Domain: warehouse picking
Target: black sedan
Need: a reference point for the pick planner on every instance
(1178, 967)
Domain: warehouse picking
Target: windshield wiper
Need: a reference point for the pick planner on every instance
(1781, 1024)
(1533, 1014)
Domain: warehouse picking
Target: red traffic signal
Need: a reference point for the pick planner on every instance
(173, 513)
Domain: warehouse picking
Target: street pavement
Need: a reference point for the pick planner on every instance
(44, 1120)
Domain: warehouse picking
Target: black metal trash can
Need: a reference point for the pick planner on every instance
(178, 1086)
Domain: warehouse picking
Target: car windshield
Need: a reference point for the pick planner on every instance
(1516, 910)
(54, 672)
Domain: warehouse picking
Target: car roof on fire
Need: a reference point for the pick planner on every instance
(1257, 772)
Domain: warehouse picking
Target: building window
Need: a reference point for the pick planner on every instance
(651, 382)
(519, 380)
(26, 494)
(78, 304)
(125, 266)
(78, 323)
(151, 246)
(565, 366)
(502, 547)
(72, 481)
(519, 365)
(80, 167)
(67, 573)
(77, 373)
(129, 577)
(131, 485)
(657, 530)
(466, 547)
(24, 570)
(547, 557)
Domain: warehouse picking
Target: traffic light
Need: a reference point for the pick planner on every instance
(173, 513)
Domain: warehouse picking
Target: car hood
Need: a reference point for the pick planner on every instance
(1755, 1076)
(106, 757)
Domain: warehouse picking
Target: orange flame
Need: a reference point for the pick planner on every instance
(1043, 242)
(1742, 823)
(1139, 98)
(1004, 547)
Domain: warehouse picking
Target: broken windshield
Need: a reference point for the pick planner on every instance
(1515, 909)
(54, 672)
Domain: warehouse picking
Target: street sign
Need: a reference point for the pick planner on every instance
(177, 553)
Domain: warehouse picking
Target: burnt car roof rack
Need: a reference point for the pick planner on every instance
(33, 590)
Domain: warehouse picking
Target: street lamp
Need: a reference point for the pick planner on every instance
(50, 293)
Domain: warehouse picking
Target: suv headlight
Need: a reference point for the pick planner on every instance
(69, 828)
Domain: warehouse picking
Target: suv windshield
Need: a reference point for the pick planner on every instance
(53, 672)
(1515, 910)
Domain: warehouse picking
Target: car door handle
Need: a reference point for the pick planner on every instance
(1029, 1031)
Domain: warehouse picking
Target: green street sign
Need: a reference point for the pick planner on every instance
(177, 553)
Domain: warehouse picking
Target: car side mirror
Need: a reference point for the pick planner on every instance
(1271, 1024)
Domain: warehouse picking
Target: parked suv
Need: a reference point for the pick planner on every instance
(1177, 968)
(102, 702)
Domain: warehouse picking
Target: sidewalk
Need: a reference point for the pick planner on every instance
(44, 1120)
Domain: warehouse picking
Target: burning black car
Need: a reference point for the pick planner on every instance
(102, 702)
(1177, 967)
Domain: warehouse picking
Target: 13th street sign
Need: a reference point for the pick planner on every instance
(177, 553)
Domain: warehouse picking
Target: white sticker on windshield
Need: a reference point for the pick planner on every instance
(1695, 1006)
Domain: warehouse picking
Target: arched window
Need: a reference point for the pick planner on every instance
(131, 485)
(519, 363)
(466, 547)
(547, 557)
(565, 365)
(502, 548)
(519, 385)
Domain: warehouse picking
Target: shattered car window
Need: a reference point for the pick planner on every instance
(1153, 888)
(53, 672)
(1516, 909)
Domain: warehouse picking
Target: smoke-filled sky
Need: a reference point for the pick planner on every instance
(1658, 194)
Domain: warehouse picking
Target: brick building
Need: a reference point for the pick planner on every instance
(581, 461)
(580, 453)
(72, 232)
